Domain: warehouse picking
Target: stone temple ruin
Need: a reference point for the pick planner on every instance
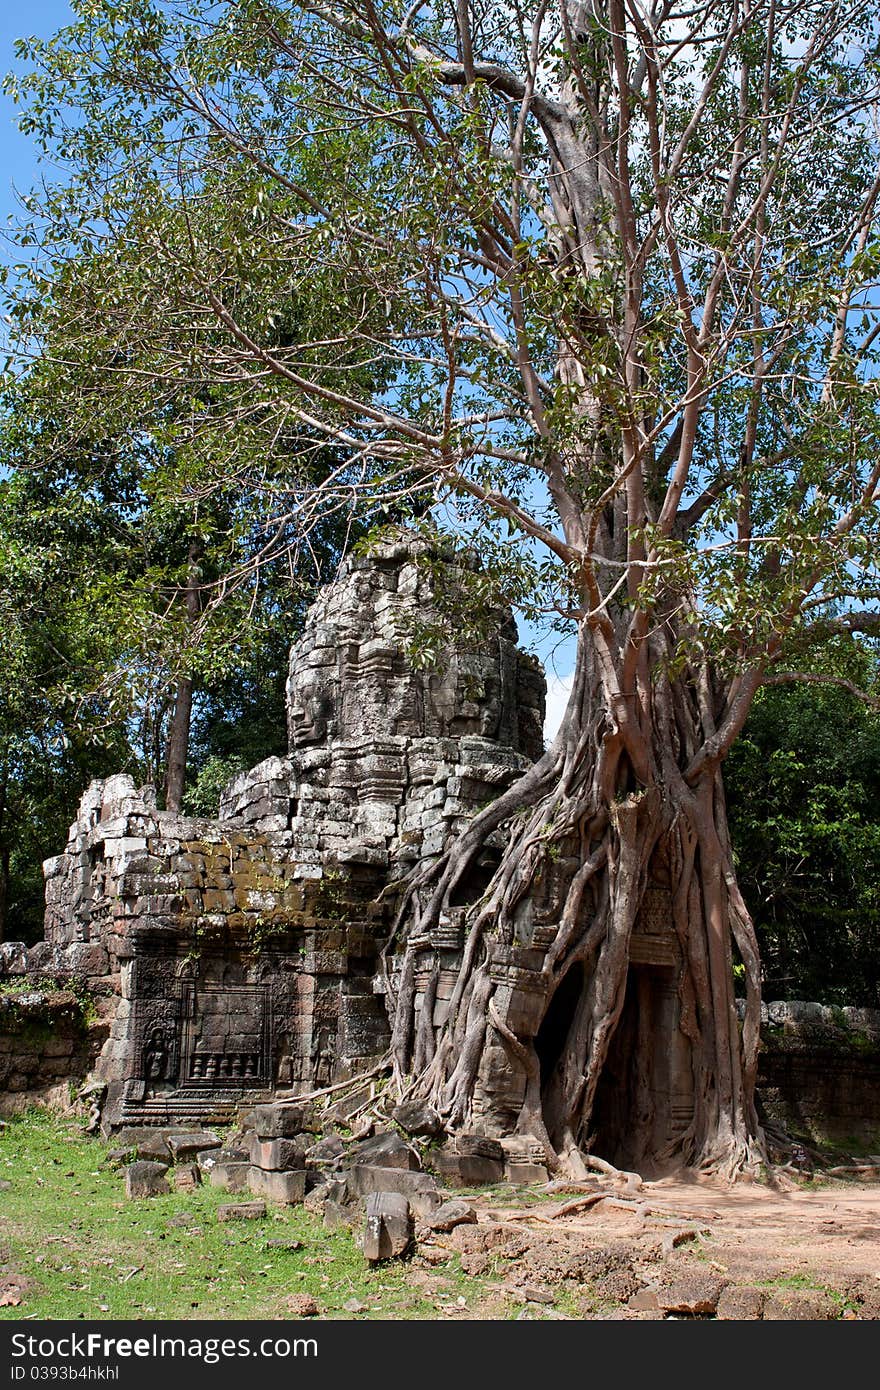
(238, 957)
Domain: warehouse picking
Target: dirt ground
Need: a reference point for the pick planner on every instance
(677, 1249)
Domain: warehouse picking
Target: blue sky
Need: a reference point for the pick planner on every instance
(18, 160)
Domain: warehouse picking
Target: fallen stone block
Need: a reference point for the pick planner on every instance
(145, 1179)
(279, 1155)
(522, 1173)
(388, 1226)
(479, 1146)
(425, 1203)
(418, 1118)
(147, 1143)
(187, 1177)
(209, 1158)
(337, 1217)
(465, 1170)
(241, 1211)
(189, 1144)
(385, 1151)
(693, 1296)
(449, 1215)
(364, 1179)
(326, 1153)
(278, 1187)
(229, 1177)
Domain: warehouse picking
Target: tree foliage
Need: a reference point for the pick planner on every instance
(803, 788)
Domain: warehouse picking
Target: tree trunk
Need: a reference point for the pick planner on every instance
(178, 744)
(181, 714)
(549, 963)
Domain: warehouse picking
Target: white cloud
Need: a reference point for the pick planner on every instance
(558, 691)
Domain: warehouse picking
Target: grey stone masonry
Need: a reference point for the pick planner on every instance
(237, 957)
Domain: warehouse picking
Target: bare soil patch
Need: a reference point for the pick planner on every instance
(678, 1248)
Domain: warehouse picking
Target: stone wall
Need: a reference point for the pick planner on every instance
(819, 1073)
(47, 1042)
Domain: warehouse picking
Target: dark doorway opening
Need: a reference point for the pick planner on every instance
(553, 1032)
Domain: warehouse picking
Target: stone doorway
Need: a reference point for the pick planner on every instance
(645, 1099)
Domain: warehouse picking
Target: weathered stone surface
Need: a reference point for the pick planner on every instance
(478, 1146)
(149, 1143)
(280, 1155)
(337, 1217)
(740, 1302)
(278, 1187)
(280, 1121)
(692, 1295)
(418, 1118)
(145, 1179)
(326, 1153)
(13, 958)
(385, 1151)
(229, 1177)
(521, 1173)
(449, 1215)
(232, 1153)
(190, 1142)
(387, 1227)
(365, 1179)
(463, 1170)
(187, 1177)
(241, 1211)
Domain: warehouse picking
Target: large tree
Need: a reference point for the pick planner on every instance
(617, 261)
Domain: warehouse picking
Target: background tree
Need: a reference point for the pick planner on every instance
(617, 264)
(803, 783)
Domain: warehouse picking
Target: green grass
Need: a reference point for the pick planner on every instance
(89, 1252)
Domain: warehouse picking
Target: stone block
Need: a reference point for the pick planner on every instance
(241, 1211)
(189, 1143)
(326, 1153)
(385, 1151)
(692, 1295)
(187, 1177)
(277, 1187)
(143, 1179)
(418, 1118)
(276, 1155)
(465, 1170)
(387, 1227)
(229, 1176)
(521, 1173)
(149, 1143)
(283, 1120)
(449, 1215)
(362, 1179)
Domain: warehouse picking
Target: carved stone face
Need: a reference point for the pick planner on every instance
(312, 709)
